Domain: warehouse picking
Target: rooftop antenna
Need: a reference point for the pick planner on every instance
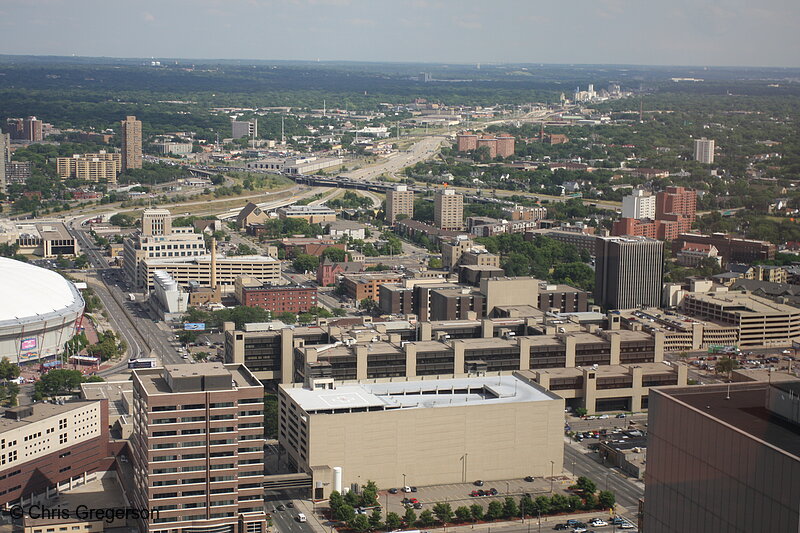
(324, 108)
(283, 132)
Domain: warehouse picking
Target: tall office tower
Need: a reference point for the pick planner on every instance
(244, 128)
(198, 448)
(678, 201)
(448, 210)
(399, 201)
(131, 143)
(723, 457)
(704, 150)
(640, 204)
(32, 129)
(5, 160)
(156, 222)
(628, 272)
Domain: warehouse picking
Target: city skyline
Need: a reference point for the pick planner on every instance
(704, 34)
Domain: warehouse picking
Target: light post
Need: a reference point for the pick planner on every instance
(404, 482)
(540, 519)
(508, 489)
(607, 474)
(574, 474)
(552, 469)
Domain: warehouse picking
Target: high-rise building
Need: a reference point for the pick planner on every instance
(32, 129)
(399, 201)
(723, 457)
(640, 204)
(101, 166)
(156, 222)
(198, 448)
(244, 128)
(628, 272)
(448, 210)
(131, 143)
(704, 150)
(5, 160)
(676, 200)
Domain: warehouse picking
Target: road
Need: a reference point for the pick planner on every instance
(286, 520)
(627, 491)
(420, 151)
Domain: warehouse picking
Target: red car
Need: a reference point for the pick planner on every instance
(474, 493)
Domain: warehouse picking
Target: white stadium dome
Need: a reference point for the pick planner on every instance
(38, 311)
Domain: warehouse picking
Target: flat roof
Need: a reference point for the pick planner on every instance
(603, 371)
(744, 303)
(418, 394)
(742, 408)
(153, 379)
(42, 411)
(206, 258)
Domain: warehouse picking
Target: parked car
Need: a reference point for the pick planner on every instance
(596, 522)
(479, 483)
(561, 527)
(529, 478)
(621, 415)
(413, 489)
(393, 491)
(474, 493)
(492, 491)
(406, 489)
(418, 505)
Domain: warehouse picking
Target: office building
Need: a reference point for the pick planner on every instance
(704, 150)
(45, 238)
(732, 249)
(32, 129)
(198, 448)
(463, 251)
(210, 270)
(399, 201)
(275, 298)
(44, 447)
(99, 167)
(131, 143)
(723, 457)
(361, 430)
(313, 214)
(173, 148)
(5, 160)
(18, 171)
(360, 286)
(158, 240)
(628, 272)
(448, 210)
(244, 128)
(640, 204)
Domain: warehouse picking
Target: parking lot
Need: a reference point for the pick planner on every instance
(458, 494)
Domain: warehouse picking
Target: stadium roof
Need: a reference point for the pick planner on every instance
(28, 291)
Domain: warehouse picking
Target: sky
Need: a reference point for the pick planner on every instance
(645, 32)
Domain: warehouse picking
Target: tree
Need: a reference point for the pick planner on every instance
(376, 519)
(526, 506)
(443, 512)
(559, 503)
(336, 500)
(542, 504)
(305, 263)
(57, 382)
(426, 518)
(393, 521)
(726, 365)
(369, 494)
(122, 220)
(337, 255)
(367, 304)
(435, 262)
(586, 485)
(510, 507)
(410, 518)
(8, 394)
(476, 510)
(590, 501)
(574, 502)
(352, 499)
(581, 411)
(606, 499)
(495, 510)
(345, 513)
(463, 514)
(359, 523)
(8, 370)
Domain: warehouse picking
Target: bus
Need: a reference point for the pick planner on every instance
(142, 363)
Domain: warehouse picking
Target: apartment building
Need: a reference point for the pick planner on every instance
(732, 249)
(99, 167)
(448, 210)
(704, 150)
(359, 430)
(48, 446)
(198, 448)
(360, 286)
(131, 143)
(463, 251)
(276, 298)
(640, 204)
(5, 160)
(399, 201)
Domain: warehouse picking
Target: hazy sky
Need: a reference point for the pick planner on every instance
(676, 32)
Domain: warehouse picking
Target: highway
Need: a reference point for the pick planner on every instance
(420, 151)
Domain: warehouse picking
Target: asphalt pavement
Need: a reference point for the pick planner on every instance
(587, 464)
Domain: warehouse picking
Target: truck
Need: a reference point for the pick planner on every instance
(132, 297)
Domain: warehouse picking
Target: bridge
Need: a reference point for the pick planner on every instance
(287, 481)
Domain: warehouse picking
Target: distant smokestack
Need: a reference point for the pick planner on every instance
(213, 263)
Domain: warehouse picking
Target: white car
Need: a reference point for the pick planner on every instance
(406, 489)
(626, 525)
(598, 523)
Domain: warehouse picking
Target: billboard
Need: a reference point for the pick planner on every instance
(27, 344)
(194, 326)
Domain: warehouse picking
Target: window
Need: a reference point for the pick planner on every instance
(221, 404)
(163, 408)
(194, 406)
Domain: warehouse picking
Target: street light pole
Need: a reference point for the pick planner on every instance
(404, 482)
(552, 468)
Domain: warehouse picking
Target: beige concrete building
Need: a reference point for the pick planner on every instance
(45, 238)
(448, 210)
(131, 143)
(211, 270)
(99, 167)
(610, 387)
(198, 448)
(313, 214)
(452, 429)
(759, 321)
(681, 333)
(463, 251)
(399, 201)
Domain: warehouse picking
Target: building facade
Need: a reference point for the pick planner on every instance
(275, 298)
(628, 272)
(99, 167)
(704, 150)
(399, 201)
(640, 204)
(310, 213)
(198, 448)
(131, 143)
(448, 210)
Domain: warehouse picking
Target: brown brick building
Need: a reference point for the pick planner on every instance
(198, 448)
(362, 286)
(277, 298)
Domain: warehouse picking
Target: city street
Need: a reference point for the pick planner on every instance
(627, 491)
